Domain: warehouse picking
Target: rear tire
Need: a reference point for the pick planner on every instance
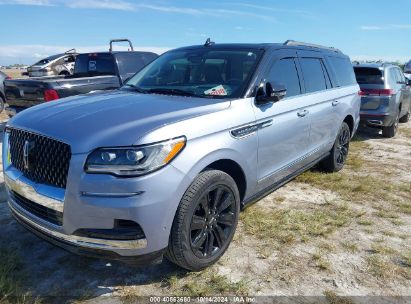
(205, 221)
(391, 131)
(339, 152)
(406, 117)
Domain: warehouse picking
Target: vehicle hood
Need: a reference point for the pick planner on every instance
(116, 118)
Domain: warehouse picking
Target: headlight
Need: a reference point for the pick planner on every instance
(134, 161)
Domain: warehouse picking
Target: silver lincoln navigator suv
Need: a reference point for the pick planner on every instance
(164, 165)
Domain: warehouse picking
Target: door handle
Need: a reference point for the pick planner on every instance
(302, 113)
(335, 103)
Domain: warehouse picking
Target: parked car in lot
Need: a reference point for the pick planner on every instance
(407, 70)
(60, 64)
(92, 72)
(164, 164)
(385, 96)
(2, 96)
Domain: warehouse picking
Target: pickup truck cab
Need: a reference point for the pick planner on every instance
(163, 165)
(92, 72)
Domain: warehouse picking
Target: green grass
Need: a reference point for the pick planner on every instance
(365, 222)
(12, 278)
(386, 270)
(205, 283)
(333, 298)
(350, 246)
(285, 226)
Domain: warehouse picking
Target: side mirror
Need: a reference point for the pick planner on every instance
(408, 82)
(270, 92)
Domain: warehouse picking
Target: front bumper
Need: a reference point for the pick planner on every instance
(96, 201)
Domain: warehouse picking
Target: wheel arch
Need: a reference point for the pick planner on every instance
(349, 120)
(233, 169)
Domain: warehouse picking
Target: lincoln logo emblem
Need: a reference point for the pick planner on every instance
(27, 148)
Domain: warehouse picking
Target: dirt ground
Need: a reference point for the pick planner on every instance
(14, 73)
(345, 234)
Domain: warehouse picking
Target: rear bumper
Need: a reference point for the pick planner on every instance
(376, 120)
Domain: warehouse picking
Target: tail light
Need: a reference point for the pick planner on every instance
(50, 95)
(376, 92)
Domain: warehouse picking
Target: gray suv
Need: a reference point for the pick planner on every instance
(164, 165)
(385, 96)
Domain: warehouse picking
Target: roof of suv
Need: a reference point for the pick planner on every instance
(289, 44)
(376, 65)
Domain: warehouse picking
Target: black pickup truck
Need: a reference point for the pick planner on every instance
(92, 72)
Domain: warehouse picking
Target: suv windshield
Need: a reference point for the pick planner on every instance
(204, 72)
(369, 75)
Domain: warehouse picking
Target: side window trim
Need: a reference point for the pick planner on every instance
(327, 79)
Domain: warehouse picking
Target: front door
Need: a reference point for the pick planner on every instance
(284, 125)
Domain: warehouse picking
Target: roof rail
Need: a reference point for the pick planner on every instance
(298, 43)
(70, 51)
(120, 40)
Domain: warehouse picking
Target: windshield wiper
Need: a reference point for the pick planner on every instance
(167, 91)
(135, 88)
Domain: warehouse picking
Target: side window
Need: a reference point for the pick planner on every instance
(344, 71)
(284, 72)
(392, 77)
(314, 77)
(401, 77)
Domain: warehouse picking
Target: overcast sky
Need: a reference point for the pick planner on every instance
(363, 29)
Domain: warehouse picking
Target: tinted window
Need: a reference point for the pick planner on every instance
(314, 78)
(284, 72)
(130, 63)
(369, 75)
(344, 71)
(400, 75)
(94, 64)
(407, 68)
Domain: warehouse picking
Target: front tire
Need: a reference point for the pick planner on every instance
(339, 152)
(205, 221)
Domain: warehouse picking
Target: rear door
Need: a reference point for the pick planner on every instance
(284, 125)
(405, 92)
(321, 103)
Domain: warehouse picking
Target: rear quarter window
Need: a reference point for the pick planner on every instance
(343, 70)
(366, 75)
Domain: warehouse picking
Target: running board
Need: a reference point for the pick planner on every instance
(259, 195)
